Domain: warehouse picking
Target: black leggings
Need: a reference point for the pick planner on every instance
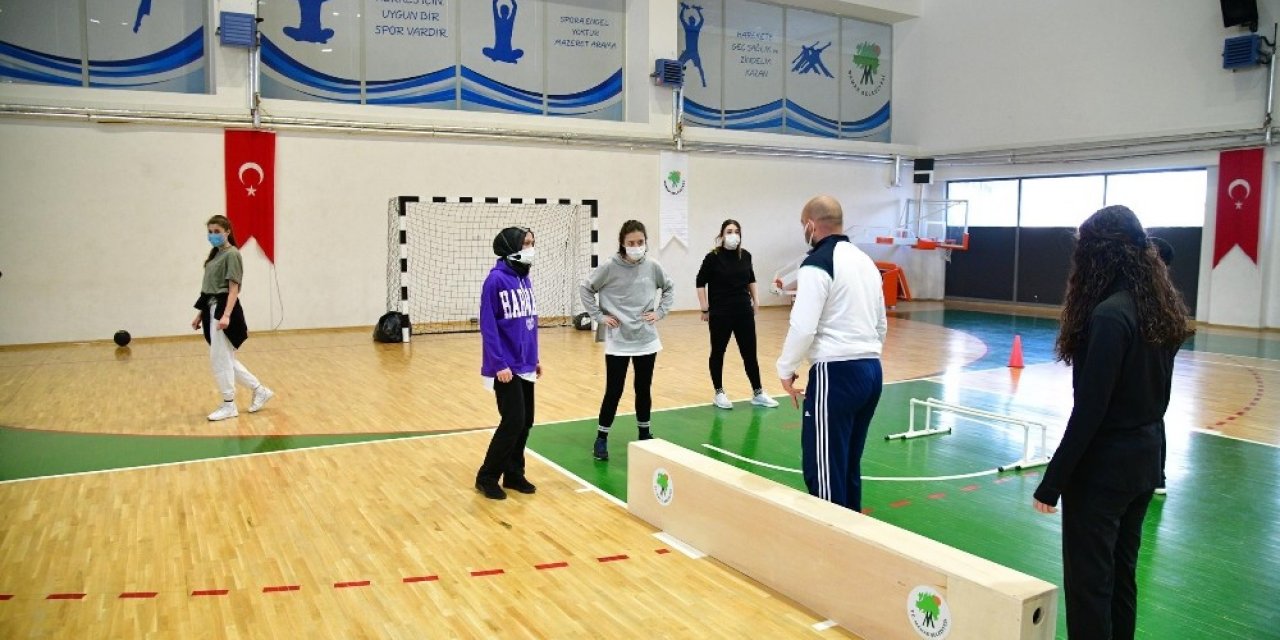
(616, 379)
(743, 327)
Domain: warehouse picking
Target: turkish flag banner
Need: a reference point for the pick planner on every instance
(250, 169)
(1239, 203)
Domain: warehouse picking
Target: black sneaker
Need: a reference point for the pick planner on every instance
(645, 435)
(519, 484)
(491, 490)
(601, 450)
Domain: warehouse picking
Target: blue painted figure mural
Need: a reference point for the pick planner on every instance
(144, 9)
(504, 24)
(691, 19)
(309, 28)
(810, 60)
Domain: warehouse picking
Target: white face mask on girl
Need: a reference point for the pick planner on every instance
(635, 253)
(525, 256)
(732, 241)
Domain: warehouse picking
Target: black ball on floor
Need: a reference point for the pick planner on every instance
(582, 322)
(122, 338)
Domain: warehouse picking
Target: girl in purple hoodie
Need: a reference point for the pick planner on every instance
(509, 331)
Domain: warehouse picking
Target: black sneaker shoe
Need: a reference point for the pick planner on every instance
(491, 490)
(519, 484)
(601, 450)
(645, 435)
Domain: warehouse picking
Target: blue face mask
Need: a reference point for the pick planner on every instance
(217, 239)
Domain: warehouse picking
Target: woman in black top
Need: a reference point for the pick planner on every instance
(1122, 324)
(729, 301)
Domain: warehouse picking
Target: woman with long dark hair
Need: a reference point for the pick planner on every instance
(1122, 324)
(729, 301)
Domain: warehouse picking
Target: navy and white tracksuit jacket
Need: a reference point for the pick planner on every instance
(838, 323)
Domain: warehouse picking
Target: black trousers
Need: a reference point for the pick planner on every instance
(616, 379)
(506, 450)
(743, 327)
(1101, 532)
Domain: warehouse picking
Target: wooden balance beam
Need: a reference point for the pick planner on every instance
(870, 577)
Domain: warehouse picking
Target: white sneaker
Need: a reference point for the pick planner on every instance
(1160, 491)
(227, 410)
(261, 396)
(762, 400)
(722, 401)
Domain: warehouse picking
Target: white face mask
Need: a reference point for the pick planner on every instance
(732, 240)
(525, 256)
(635, 253)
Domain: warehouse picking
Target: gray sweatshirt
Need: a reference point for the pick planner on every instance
(626, 291)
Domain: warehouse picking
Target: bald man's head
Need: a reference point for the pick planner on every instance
(825, 214)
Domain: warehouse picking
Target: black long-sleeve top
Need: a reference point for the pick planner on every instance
(1121, 387)
(727, 275)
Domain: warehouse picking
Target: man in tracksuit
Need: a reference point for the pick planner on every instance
(509, 333)
(839, 323)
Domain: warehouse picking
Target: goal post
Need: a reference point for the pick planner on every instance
(440, 249)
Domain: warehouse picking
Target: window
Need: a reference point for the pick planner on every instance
(992, 203)
(1060, 202)
(1162, 199)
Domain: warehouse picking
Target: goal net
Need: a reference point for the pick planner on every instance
(439, 253)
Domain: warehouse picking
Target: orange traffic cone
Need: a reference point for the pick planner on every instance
(1015, 358)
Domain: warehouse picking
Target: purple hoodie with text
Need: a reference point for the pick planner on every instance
(508, 323)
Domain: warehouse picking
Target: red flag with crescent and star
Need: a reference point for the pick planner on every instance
(250, 169)
(1239, 203)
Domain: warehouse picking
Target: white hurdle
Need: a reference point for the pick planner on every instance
(979, 415)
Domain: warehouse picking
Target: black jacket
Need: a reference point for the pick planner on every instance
(1121, 387)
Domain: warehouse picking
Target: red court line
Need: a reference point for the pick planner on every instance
(209, 592)
(1003, 479)
(138, 594)
(551, 565)
(287, 587)
(357, 583)
(613, 558)
(412, 579)
(487, 572)
(937, 496)
(662, 551)
(971, 487)
(65, 596)
(5, 596)
(900, 503)
(866, 511)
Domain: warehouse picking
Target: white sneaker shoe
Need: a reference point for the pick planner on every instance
(722, 401)
(227, 410)
(1160, 491)
(261, 396)
(762, 400)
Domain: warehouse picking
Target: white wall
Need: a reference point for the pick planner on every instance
(101, 225)
(1007, 74)
(999, 73)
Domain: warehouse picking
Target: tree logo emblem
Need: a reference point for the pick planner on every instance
(865, 77)
(929, 613)
(674, 183)
(663, 490)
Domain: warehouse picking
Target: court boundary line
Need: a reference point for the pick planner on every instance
(459, 432)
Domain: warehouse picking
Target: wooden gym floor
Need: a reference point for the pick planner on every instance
(384, 537)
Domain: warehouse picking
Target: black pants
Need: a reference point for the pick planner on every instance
(743, 327)
(1101, 532)
(616, 379)
(506, 450)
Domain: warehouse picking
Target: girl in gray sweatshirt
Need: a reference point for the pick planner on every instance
(621, 294)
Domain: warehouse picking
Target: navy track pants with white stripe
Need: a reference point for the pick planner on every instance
(838, 405)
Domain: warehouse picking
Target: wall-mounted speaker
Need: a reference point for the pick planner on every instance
(1243, 13)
